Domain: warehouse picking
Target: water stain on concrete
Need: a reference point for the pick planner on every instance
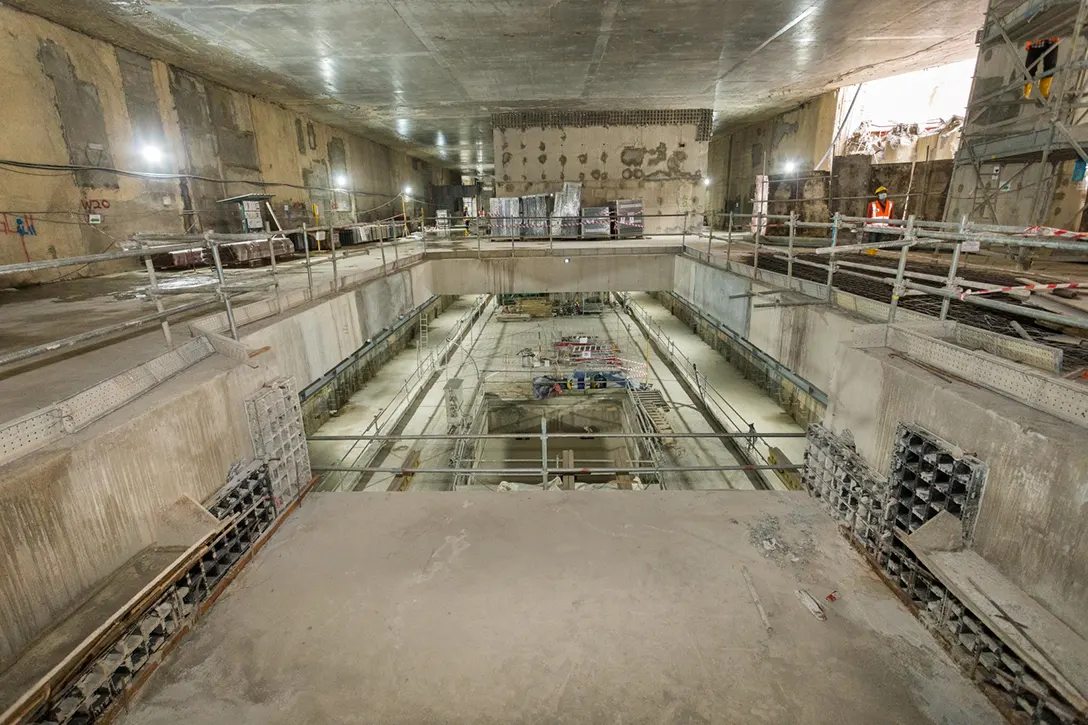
(542, 158)
(582, 158)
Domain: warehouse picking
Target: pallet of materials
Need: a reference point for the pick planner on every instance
(506, 216)
(565, 212)
(628, 218)
(596, 222)
(534, 214)
(179, 259)
(250, 252)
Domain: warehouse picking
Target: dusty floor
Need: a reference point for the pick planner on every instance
(557, 608)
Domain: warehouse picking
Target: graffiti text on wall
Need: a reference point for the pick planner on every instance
(92, 204)
(22, 225)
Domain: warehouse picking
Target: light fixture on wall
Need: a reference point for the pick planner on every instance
(152, 154)
(706, 181)
(407, 190)
(790, 167)
(341, 181)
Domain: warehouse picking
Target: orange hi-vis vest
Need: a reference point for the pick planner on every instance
(879, 210)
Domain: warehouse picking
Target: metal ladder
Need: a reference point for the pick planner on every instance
(423, 342)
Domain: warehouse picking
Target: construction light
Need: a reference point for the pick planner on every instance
(790, 167)
(152, 154)
(706, 181)
(341, 181)
(407, 190)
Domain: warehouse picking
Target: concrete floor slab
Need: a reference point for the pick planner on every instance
(557, 608)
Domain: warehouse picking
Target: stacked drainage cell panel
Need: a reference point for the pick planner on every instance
(565, 214)
(506, 217)
(976, 648)
(854, 493)
(534, 215)
(246, 507)
(930, 475)
(275, 425)
(596, 222)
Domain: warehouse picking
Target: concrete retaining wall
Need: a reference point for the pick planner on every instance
(72, 99)
(709, 289)
(74, 512)
(635, 273)
(663, 165)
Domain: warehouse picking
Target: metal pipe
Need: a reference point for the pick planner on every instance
(543, 450)
(275, 280)
(535, 471)
(897, 290)
(789, 263)
(99, 332)
(158, 302)
(222, 294)
(756, 237)
(92, 258)
(332, 246)
(728, 239)
(831, 262)
(309, 271)
(515, 436)
(950, 284)
(790, 304)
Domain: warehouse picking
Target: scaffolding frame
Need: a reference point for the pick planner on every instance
(1044, 137)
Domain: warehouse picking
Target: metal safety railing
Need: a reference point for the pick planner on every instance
(902, 235)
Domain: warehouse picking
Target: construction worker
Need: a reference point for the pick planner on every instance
(880, 208)
(1042, 57)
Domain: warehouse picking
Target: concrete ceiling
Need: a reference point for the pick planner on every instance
(427, 74)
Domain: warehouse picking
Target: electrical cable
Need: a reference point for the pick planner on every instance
(11, 165)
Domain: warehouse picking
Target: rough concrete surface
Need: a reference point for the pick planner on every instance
(557, 608)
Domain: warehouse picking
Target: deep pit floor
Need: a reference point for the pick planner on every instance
(558, 607)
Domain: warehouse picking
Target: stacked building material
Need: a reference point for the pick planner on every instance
(534, 215)
(854, 493)
(596, 222)
(181, 258)
(628, 217)
(233, 253)
(975, 646)
(246, 510)
(374, 232)
(506, 216)
(568, 202)
(930, 475)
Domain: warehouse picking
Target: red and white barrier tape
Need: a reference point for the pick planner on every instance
(1052, 232)
(1026, 287)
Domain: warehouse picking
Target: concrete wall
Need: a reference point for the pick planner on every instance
(1031, 521)
(709, 290)
(71, 99)
(800, 136)
(72, 513)
(641, 272)
(662, 165)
